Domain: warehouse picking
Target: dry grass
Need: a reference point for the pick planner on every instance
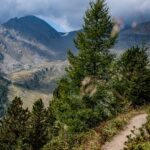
(94, 139)
(22, 75)
(47, 73)
(56, 69)
(28, 96)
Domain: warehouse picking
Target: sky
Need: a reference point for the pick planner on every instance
(67, 15)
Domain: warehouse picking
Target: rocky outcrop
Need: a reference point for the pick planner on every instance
(42, 78)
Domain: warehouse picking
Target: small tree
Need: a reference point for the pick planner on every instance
(38, 135)
(14, 125)
(135, 75)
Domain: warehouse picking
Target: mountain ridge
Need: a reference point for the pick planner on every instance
(29, 61)
(31, 26)
(27, 41)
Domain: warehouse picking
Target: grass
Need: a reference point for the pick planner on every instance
(94, 139)
(40, 79)
(28, 96)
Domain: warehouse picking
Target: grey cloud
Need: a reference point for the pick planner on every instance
(130, 10)
(69, 13)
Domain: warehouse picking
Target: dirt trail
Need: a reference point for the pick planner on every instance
(117, 142)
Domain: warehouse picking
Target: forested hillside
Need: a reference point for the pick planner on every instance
(95, 91)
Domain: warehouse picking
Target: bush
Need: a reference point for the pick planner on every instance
(134, 76)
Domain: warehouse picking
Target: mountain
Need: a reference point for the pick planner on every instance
(33, 54)
(138, 35)
(28, 41)
(33, 27)
(35, 83)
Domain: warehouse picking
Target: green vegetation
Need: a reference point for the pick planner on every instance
(134, 79)
(83, 97)
(22, 129)
(96, 137)
(13, 126)
(38, 130)
(96, 89)
(3, 95)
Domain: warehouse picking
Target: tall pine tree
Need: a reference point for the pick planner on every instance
(82, 97)
(93, 44)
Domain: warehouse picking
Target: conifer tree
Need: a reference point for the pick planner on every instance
(14, 125)
(38, 135)
(51, 119)
(93, 44)
(82, 97)
(135, 75)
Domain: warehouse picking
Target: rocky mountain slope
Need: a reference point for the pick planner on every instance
(28, 41)
(36, 83)
(32, 54)
(138, 35)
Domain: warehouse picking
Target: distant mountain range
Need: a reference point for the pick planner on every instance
(33, 54)
(25, 42)
(29, 41)
(138, 35)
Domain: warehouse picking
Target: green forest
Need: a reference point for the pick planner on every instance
(98, 86)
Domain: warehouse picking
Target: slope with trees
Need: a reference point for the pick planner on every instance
(96, 88)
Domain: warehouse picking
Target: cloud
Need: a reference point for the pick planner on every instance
(130, 10)
(67, 15)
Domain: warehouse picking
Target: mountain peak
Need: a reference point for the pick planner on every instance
(32, 26)
(30, 16)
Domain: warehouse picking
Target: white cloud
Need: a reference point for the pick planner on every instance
(68, 14)
(130, 9)
(61, 23)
